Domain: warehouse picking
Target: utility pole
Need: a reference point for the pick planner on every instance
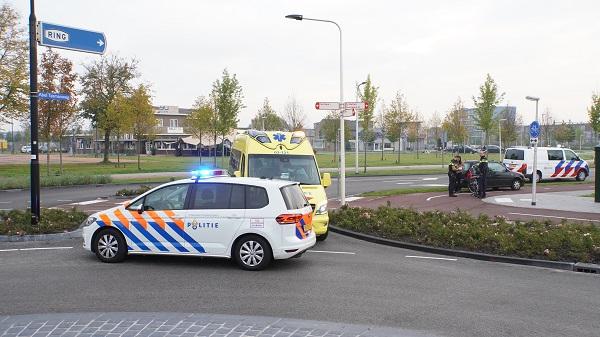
(33, 101)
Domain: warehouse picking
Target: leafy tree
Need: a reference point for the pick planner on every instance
(369, 95)
(564, 133)
(200, 121)
(267, 119)
(118, 113)
(102, 80)
(510, 127)
(594, 114)
(382, 126)
(454, 123)
(329, 129)
(143, 122)
(227, 98)
(14, 89)
(414, 131)
(435, 125)
(57, 75)
(485, 105)
(397, 116)
(293, 115)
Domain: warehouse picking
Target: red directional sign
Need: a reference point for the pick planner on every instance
(327, 105)
(360, 106)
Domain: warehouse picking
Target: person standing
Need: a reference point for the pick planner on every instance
(483, 170)
(459, 174)
(452, 169)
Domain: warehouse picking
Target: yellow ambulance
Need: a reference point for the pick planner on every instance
(285, 156)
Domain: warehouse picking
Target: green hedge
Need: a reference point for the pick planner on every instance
(47, 181)
(459, 230)
(124, 192)
(17, 222)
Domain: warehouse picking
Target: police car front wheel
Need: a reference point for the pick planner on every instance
(252, 253)
(110, 246)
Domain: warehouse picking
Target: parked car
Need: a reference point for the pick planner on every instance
(493, 148)
(498, 175)
(461, 149)
(26, 149)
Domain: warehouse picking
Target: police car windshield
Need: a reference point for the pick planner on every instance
(300, 168)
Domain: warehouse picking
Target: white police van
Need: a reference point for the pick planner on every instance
(552, 163)
(251, 220)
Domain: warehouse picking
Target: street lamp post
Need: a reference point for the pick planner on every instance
(534, 174)
(500, 136)
(342, 145)
(356, 131)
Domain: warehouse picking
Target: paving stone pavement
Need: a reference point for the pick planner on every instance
(129, 324)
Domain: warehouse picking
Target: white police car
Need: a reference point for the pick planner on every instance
(251, 220)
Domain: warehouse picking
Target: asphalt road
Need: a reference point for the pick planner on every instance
(341, 280)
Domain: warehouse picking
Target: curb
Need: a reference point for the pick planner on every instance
(76, 234)
(453, 252)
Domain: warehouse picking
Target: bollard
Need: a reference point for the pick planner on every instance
(596, 180)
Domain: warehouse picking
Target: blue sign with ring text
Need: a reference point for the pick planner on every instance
(52, 96)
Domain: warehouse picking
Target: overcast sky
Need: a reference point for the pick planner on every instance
(432, 51)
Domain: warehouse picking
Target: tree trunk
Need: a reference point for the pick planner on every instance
(199, 147)
(139, 150)
(106, 146)
(223, 150)
(118, 150)
(215, 148)
(382, 147)
(365, 166)
(334, 151)
(48, 157)
(60, 163)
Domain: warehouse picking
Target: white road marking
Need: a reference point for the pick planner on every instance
(436, 196)
(435, 178)
(432, 185)
(5, 209)
(34, 248)
(402, 183)
(330, 252)
(503, 200)
(59, 200)
(89, 202)
(393, 181)
(353, 198)
(552, 216)
(431, 258)
(5, 202)
(525, 199)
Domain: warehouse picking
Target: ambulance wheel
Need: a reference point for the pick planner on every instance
(581, 175)
(110, 246)
(252, 252)
(322, 237)
(516, 185)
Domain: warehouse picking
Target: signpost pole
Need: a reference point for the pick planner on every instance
(342, 127)
(33, 101)
(534, 171)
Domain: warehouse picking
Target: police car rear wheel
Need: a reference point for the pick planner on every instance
(580, 175)
(253, 253)
(110, 246)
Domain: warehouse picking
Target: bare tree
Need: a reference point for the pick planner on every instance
(293, 115)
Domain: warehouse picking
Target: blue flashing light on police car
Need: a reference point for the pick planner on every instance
(208, 173)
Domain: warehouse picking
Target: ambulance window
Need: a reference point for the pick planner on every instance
(256, 197)
(555, 155)
(514, 154)
(571, 155)
(211, 196)
(167, 198)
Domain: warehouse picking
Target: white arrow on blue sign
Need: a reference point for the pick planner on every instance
(51, 96)
(57, 36)
(534, 129)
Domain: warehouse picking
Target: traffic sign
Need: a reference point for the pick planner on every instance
(533, 140)
(52, 96)
(327, 105)
(58, 36)
(349, 113)
(534, 129)
(359, 106)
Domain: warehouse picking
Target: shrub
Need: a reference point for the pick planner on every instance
(18, 222)
(127, 192)
(47, 181)
(460, 230)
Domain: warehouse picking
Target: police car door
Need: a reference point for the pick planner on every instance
(215, 213)
(555, 165)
